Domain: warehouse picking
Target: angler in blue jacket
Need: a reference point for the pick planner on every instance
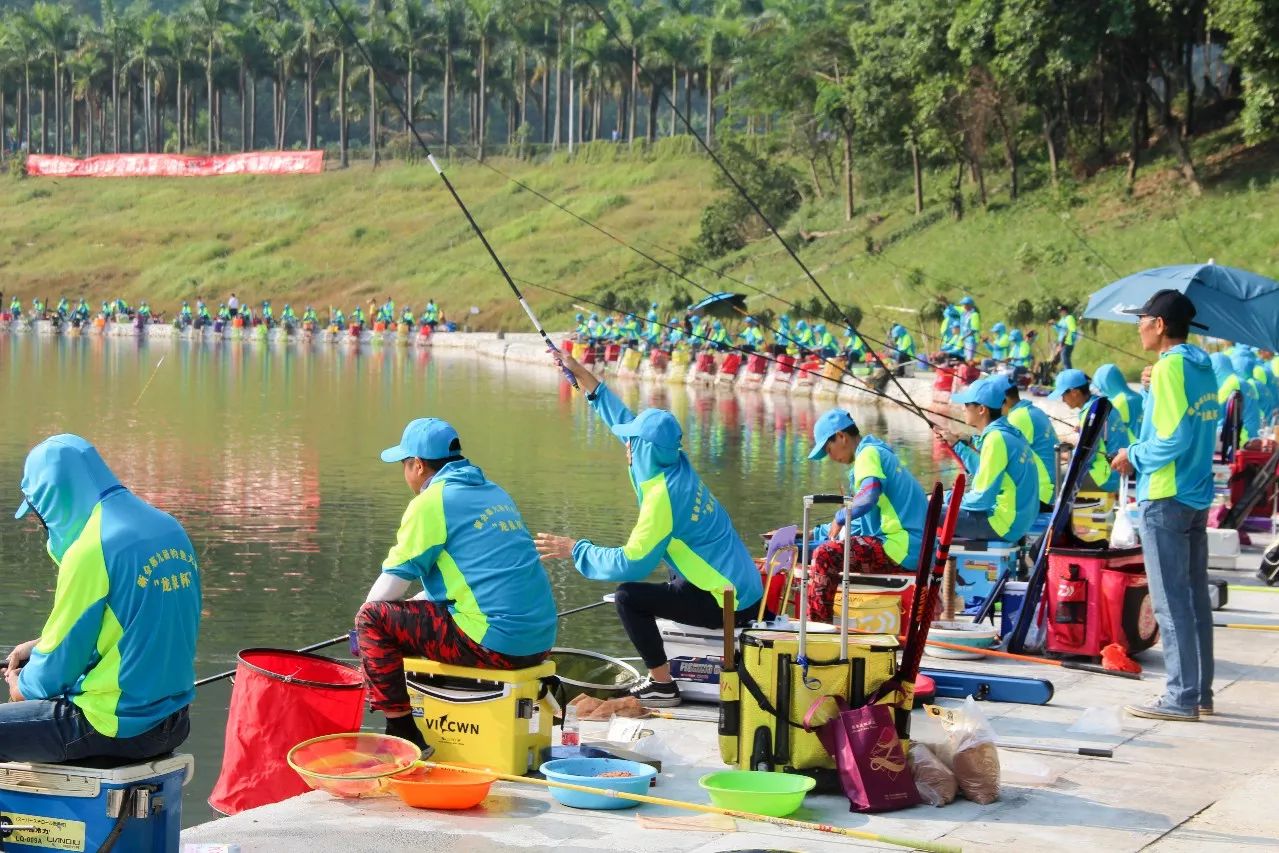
(680, 523)
(1228, 383)
(112, 672)
(485, 600)
(1002, 498)
(1173, 461)
(1074, 388)
(887, 518)
(1110, 382)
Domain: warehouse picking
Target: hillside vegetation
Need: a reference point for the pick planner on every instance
(347, 235)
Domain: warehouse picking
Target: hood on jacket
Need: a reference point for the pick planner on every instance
(1221, 367)
(460, 471)
(1015, 336)
(1001, 424)
(655, 437)
(1109, 380)
(63, 479)
(1242, 364)
(999, 328)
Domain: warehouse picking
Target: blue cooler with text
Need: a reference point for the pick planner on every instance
(47, 807)
(978, 565)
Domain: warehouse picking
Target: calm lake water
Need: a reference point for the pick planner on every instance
(269, 458)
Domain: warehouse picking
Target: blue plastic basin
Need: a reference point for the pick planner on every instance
(585, 771)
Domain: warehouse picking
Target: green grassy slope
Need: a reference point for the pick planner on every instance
(355, 234)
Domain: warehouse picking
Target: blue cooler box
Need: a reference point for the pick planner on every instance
(977, 571)
(75, 808)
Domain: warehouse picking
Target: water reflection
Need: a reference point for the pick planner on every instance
(269, 457)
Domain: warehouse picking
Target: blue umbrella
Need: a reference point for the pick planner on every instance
(723, 304)
(1232, 304)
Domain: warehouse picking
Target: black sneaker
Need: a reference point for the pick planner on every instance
(406, 729)
(656, 694)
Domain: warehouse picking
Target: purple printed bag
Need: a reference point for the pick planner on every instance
(868, 754)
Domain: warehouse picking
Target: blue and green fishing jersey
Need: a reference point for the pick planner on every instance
(120, 641)
(897, 518)
(1125, 402)
(1228, 384)
(1173, 457)
(1038, 431)
(1005, 482)
(751, 336)
(1113, 437)
(1067, 330)
(999, 346)
(680, 522)
(464, 539)
(904, 343)
(970, 326)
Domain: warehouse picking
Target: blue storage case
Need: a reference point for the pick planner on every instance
(977, 571)
(71, 807)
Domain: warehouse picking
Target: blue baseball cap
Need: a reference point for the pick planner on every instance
(1066, 380)
(989, 391)
(834, 421)
(967, 300)
(656, 426)
(425, 438)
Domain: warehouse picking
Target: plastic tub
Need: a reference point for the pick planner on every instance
(1010, 605)
(757, 792)
(960, 634)
(441, 788)
(586, 771)
(360, 764)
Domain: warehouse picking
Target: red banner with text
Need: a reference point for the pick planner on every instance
(176, 165)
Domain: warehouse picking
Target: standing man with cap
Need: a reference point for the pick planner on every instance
(485, 602)
(1003, 499)
(886, 524)
(113, 670)
(970, 327)
(1074, 388)
(680, 523)
(1173, 461)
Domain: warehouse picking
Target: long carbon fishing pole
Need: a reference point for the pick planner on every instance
(732, 179)
(475, 226)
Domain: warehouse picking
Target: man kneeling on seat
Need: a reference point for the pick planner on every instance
(486, 601)
(1002, 499)
(887, 515)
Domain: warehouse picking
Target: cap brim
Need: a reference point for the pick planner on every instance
(1200, 326)
(1136, 312)
(23, 508)
(818, 452)
(962, 397)
(626, 430)
(1056, 394)
(395, 454)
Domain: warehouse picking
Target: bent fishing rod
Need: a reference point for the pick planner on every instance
(475, 226)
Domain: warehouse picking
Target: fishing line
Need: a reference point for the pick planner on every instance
(479, 232)
(1062, 218)
(149, 381)
(909, 403)
(1182, 231)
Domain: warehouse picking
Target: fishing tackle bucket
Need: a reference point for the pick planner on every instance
(280, 699)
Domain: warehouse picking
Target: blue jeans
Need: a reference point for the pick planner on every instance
(1175, 540)
(1066, 350)
(974, 525)
(52, 731)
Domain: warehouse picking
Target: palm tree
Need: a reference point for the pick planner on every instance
(333, 43)
(116, 29)
(208, 20)
(243, 44)
(179, 47)
(56, 29)
(21, 44)
(151, 35)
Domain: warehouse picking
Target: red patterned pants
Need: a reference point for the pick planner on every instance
(867, 558)
(391, 630)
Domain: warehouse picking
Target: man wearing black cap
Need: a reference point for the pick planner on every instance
(1173, 462)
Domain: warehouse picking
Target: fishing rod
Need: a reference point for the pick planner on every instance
(909, 403)
(789, 823)
(475, 226)
(341, 638)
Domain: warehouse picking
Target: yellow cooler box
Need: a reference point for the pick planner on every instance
(500, 719)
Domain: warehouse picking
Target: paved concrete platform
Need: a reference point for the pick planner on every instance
(1206, 786)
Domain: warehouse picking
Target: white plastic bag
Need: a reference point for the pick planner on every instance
(1124, 533)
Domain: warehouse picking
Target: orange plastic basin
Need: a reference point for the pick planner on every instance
(441, 788)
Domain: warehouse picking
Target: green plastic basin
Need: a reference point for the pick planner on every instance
(771, 794)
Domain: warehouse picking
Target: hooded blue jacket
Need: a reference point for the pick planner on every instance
(464, 539)
(1005, 481)
(1125, 402)
(680, 521)
(1173, 457)
(1035, 427)
(120, 640)
(1228, 382)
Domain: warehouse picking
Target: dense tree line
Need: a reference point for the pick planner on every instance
(968, 85)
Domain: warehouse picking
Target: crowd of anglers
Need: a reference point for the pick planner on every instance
(960, 336)
(231, 313)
